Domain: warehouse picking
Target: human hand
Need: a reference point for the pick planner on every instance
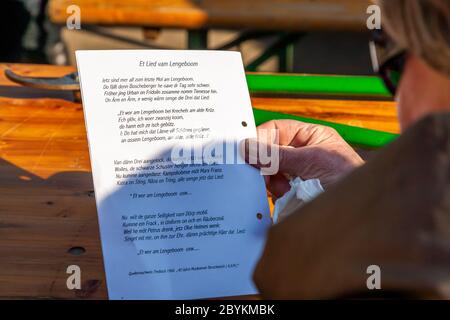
(308, 151)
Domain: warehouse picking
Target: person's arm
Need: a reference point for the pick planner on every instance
(391, 214)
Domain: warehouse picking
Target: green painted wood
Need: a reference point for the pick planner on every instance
(317, 84)
(353, 135)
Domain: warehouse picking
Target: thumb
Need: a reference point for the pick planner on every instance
(292, 160)
(284, 159)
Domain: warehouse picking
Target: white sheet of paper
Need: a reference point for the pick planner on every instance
(172, 230)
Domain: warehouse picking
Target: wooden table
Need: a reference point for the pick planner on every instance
(47, 206)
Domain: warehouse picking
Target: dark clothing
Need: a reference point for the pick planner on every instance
(14, 20)
(394, 212)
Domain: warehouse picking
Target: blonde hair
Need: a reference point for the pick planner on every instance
(421, 27)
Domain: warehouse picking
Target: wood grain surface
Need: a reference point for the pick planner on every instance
(47, 203)
(297, 15)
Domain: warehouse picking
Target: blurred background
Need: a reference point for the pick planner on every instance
(302, 36)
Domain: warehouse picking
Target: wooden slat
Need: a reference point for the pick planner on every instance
(51, 126)
(46, 198)
(376, 115)
(257, 14)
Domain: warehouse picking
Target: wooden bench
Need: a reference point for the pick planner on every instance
(48, 217)
(289, 19)
(292, 15)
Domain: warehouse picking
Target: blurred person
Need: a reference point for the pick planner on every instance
(307, 255)
(28, 35)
